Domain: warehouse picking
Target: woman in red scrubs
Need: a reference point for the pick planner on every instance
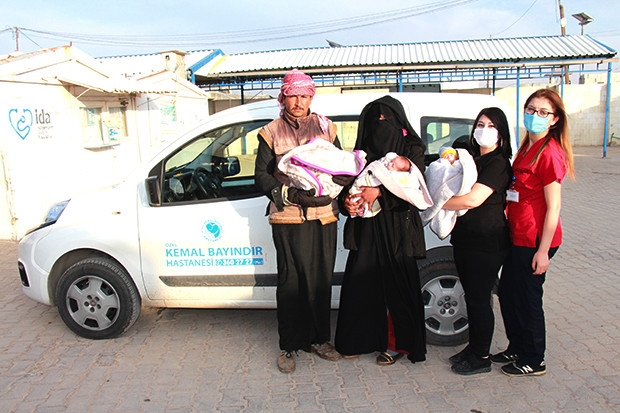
(534, 200)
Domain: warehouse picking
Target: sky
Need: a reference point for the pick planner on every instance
(133, 27)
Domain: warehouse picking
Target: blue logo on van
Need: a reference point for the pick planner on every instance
(212, 230)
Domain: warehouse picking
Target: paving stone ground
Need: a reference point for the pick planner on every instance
(195, 360)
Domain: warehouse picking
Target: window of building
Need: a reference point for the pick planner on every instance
(103, 125)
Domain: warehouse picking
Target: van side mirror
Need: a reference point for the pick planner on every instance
(153, 190)
(226, 166)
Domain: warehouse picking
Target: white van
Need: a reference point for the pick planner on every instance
(187, 229)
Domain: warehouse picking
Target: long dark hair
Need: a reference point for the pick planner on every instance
(498, 117)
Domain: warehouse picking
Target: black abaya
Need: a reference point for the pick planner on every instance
(381, 274)
(374, 283)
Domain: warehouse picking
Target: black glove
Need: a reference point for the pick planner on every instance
(343, 180)
(276, 197)
(306, 198)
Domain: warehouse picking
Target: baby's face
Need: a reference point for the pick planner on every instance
(449, 156)
(400, 163)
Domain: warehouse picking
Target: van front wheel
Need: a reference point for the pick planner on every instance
(445, 312)
(97, 299)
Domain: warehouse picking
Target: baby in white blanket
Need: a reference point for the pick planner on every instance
(399, 175)
(454, 173)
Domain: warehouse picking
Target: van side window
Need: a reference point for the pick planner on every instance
(346, 129)
(439, 131)
(436, 132)
(218, 164)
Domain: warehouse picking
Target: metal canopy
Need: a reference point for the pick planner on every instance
(400, 65)
(410, 63)
(388, 77)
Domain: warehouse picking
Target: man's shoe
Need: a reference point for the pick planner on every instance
(504, 357)
(286, 361)
(469, 367)
(460, 356)
(326, 351)
(516, 369)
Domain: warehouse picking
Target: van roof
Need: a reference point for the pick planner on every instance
(351, 104)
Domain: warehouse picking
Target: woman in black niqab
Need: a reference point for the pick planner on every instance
(381, 304)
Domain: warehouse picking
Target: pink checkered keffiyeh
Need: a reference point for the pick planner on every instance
(296, 83)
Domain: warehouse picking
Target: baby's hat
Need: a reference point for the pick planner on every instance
(445, 150)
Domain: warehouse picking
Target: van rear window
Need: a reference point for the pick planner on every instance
(435, 131)
(440, 131)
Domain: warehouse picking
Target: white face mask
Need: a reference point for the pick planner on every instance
(486, 137)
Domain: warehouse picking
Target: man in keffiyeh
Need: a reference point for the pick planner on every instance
(303, 226)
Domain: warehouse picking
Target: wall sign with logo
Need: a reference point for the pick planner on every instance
(31, 124)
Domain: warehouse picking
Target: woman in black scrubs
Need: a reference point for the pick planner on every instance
(480, 237)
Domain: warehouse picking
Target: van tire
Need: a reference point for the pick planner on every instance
(445, 312)
(97, 299)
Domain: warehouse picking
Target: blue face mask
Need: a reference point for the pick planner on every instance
(534, 124)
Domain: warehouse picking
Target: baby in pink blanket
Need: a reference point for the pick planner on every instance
(311, 166)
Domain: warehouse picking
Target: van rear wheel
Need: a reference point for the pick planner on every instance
(97, 299)
(445, 312)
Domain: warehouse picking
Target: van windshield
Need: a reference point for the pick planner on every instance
(189, 152)
(218, 164)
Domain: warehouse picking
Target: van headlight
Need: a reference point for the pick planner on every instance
(52, 215)
(54, 212)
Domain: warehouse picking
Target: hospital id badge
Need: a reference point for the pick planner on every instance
(512, 195)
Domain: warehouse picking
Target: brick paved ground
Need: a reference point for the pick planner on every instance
(224, 360)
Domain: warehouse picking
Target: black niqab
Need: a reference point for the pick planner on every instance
(381, 128)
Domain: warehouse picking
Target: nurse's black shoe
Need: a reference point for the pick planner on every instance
(504, 357)
(472, 365)
(460, 356)
(515, 369)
